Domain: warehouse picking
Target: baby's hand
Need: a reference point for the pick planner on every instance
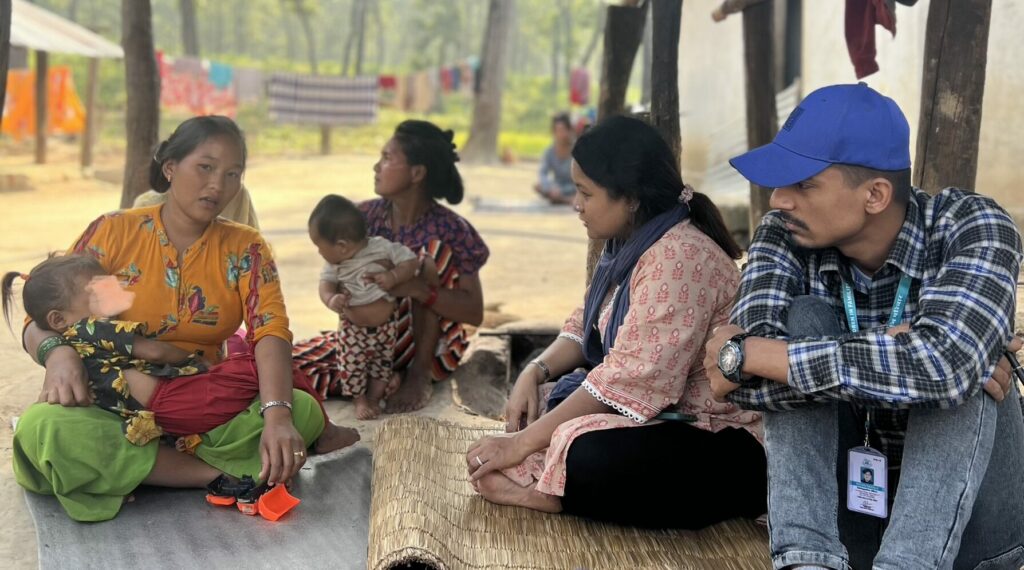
(385, 279)
(339, 302)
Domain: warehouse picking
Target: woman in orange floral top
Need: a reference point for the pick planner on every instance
(196, 277)
(630, 357)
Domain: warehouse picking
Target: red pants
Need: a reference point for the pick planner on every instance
(197, 404)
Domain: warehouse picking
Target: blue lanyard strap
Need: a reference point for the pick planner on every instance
(898, 304)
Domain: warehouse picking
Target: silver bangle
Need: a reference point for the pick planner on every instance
(543, 368)
(274, 404)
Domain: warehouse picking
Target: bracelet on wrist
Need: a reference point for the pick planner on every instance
(46, 347)
(274, 404)
(543, 368)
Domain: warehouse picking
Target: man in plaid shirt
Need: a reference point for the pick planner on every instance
(869, 305)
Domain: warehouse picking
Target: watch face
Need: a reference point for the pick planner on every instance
(729, 358)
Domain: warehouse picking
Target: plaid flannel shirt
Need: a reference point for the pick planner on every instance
(963, 252)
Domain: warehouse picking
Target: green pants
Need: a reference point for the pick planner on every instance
(80, 455)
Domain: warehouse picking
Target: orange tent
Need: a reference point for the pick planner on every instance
(66, 114)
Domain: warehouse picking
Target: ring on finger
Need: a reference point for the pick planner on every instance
(299, 454)
(479, 461)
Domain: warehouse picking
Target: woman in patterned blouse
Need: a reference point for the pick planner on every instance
(196, 278)
(415, 170)
(630, 357)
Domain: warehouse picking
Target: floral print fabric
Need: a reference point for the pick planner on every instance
(105, 347)
(197, 298)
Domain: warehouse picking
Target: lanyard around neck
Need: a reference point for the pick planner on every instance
(898, 304)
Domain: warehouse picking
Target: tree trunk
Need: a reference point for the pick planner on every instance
(381, 39)
(666, 17)
(42, 104)
(142, 82)
(5, 49)
(762, 119)
(73, 10)
(556, 47)
(569, 45)
(624, 28)
(648, 60)
(482, 145)
(189, 30)
(89, 136)
(307, 32)
(623, 31)
(599, 29)
(952, 91)
(353, 32)
(361, 36)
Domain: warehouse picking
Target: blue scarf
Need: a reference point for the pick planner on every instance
(614, 269)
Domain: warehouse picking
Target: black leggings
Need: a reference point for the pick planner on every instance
(669, 475)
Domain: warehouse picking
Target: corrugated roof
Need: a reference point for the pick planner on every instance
(33, 27)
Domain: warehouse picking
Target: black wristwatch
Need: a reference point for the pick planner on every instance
(730, 359)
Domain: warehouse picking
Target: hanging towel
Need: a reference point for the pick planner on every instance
(221, 75)
(323, 99)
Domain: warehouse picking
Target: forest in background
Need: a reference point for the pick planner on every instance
(548, 38)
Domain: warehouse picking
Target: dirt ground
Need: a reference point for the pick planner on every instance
(535, 271)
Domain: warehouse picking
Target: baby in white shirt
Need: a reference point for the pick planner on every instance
(355, 283)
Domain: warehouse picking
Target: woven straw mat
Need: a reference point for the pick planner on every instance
(424, 512)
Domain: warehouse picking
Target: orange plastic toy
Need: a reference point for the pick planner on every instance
(276, 502)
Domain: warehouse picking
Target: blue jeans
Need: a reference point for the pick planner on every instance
(959, 503)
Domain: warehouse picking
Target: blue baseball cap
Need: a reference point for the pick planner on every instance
(838, 124)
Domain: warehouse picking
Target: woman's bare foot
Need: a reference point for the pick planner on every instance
(366, 408)
(497, 488)
(413, 393)
(335, 437)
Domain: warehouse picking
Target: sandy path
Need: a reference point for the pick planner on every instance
(536, 268)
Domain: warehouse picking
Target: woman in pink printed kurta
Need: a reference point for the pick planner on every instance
(681, 289)
(631, 357)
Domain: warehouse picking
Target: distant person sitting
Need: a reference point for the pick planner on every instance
(555, 178)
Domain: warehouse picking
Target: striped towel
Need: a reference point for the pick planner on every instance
(322, 99)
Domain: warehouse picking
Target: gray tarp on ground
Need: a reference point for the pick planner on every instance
(167, 528)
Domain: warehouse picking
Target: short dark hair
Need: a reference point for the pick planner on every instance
(855, 175)
(631, 160)
(50, 285)
(425, 144)
(189, 135)
(561, 118)
(337, 218)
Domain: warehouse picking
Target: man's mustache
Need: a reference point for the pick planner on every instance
(794, 222)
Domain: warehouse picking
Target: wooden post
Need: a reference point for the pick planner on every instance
(762, 120)
(952, 91)
(623, 32)
(666, 17)
(142, 106)
(5, 49)
(325, 139)
(42, 104)
(89, 136)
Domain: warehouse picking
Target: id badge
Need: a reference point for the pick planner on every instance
(867, 490)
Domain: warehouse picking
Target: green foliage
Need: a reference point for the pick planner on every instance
(411, 35)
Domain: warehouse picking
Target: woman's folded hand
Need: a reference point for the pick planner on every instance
(493, 453)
